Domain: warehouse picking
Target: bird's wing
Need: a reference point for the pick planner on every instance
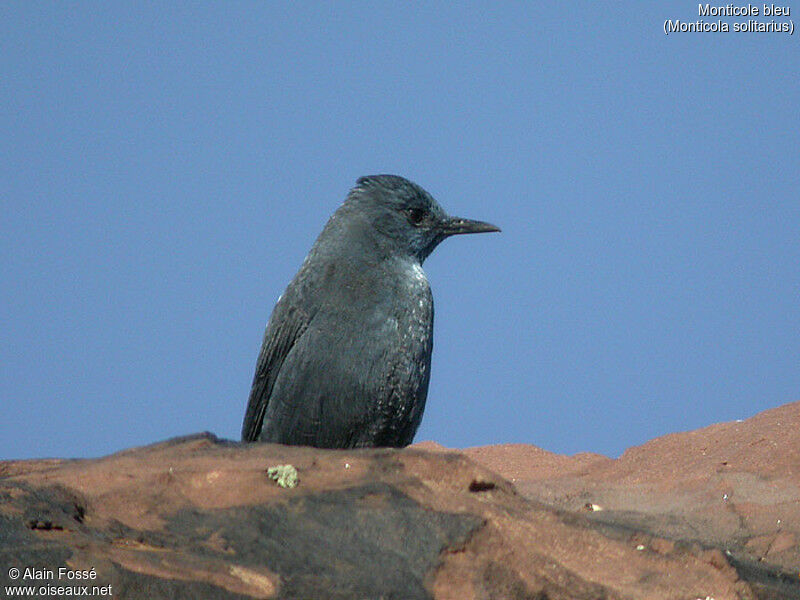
(287, 325)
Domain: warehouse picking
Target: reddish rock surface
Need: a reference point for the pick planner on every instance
(734, 485)
(707, 514)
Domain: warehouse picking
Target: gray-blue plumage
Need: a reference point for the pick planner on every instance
(346, 356)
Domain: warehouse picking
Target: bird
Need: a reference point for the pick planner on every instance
(346, 355)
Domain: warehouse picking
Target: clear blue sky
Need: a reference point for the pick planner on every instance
(166, 167)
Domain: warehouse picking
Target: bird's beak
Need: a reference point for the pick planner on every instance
(457, 225)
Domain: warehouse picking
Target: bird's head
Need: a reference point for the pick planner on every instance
(406, 216)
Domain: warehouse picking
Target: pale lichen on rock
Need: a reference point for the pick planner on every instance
(284, 475)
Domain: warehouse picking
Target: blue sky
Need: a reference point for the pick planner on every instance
(166, 167)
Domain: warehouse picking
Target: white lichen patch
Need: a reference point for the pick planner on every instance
(284, 475)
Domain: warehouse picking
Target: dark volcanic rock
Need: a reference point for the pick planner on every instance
(198, 517)
(383, 541)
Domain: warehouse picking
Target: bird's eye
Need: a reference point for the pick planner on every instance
(415, 215)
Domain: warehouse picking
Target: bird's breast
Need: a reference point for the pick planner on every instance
(387, 302)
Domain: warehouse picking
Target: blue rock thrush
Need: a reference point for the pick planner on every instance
(346, 356)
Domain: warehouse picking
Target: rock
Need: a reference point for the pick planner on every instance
(197, 517)
(732, 486)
